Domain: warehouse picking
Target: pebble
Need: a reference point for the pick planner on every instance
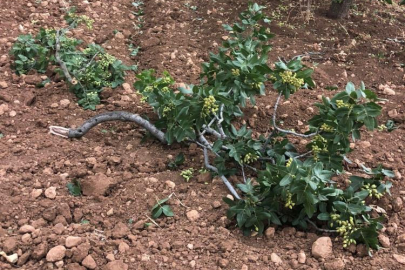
(336, 264)
(3, 85)
(384, 241)
(397, 204)
(170, 184)
(50, 193)
(72, 241)
(26, 229)
(13, 113)
(275, 258)
(54, 105)
(120, 230)
(123, 247)
(365, 144)
(216, 204)
(56, 254)
(399, 258)
(193, 215)
(322, 247)
(89, 262)
(110, 257)
(35, 193)
(269, 233)
(110, 212)
(302, 258)
(223, 262)
(116, 265)
(401, 238)
(127, 87)
(64, 103)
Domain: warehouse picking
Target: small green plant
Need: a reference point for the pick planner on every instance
(1, 135)
(179, 160)
(187, 174)
(285, 187)
(87, 71)
(74, 188)
(161, 208)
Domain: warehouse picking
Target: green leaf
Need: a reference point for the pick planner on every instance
(286, 180)
(157, 212)
(324, 216)
(167, 211)
(74, 188)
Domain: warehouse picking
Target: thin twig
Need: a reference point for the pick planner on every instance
(284, 130)
(319, 229)
(303, 155)
(59, 60)
(214, 169)
(177, 199)
(151, 219)
(243, 173)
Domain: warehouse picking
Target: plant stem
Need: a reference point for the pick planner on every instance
(284, 130)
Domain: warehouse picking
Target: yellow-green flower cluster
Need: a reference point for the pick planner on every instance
(346, 229)
(372, 191)
(289, 162)
(341, 104)
(209, 106)
(249, 158)
(235, 72)
(167, 109)
(187, 174)
(83, 19)
(167, 80)
(290, 78)
(319, 138)
(148, 89)
(325, 127)
(165, 89)
(288, 201)
(106, 60)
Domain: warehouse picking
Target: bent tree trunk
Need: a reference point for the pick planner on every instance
(339, 9)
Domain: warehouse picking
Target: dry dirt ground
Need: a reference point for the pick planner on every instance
(122, 176)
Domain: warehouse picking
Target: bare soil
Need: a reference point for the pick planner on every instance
(123, 175)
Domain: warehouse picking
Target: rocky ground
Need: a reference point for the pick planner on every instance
(122, 176)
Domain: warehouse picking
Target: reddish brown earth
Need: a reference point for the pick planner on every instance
(122, 177)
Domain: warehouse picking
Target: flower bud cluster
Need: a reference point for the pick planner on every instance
(341, 104)
(288, 201)
(289, 162)
(372, 191)
(290, 78)
(235, 72)
(346, 228)
(325, 127)
(249, 158)
(210, 106)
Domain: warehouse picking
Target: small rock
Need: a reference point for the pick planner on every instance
(40, 251)
(58, 228)
(120, 230)
(35, 193)
(59, 264)
(216, 204)
(170, 184)
(384, 241)
(289, 231)
(269, 233)
(9, 245)
(127, 87)
(56, 254)
(302, 258)
(397, 204)
(89, 262)
(12, 113)
(223, 263)
(393, 113)
(244, 267)
(110, 212)
(193, 215)
(204, 177)
(3, 85)
(365, 144)
(275, 258)
(401, 238)
(54, 105)
(399, 258)
(388, 91)
(322, 247)
(123, 247)
(361, 250)
(26, 229)
(72, 241)
(336, 264)
(50, 193)
(116, 265)
(110, 257)
(64, 103)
